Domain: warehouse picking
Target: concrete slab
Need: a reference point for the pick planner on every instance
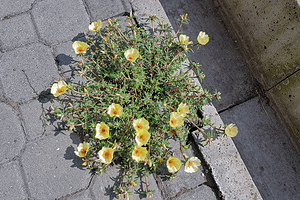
(107, 8)
(27, 71)
(17, 31)
(13, 185)
(51, 167)
(32, 115)
(85, 195)
(287, 103)
(12, 136)
(59, 21)
(222, 62)
(266, 149)
(9, 8)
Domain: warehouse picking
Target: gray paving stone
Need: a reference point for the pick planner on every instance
(266, 149)
(32, 113)
(27, 71)
(12, 186)
(107, 8)
(9, 7)
(66, 59)
(52, 169)
(85, 195)
(17, 31)
(102, 186)
(12, 137)
(203, 192)
(59, 21)
(183, 180)
(224, 66)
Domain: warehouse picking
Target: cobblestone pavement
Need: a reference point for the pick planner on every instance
(37, 159)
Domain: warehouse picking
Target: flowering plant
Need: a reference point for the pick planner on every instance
(135, 97)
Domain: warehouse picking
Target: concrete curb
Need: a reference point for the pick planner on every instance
(227, 166)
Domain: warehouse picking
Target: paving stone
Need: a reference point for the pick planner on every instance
(12, 186)
(27, 71)
(107, 8)
(12, 137)
(66, 59)
(183, 180)
(85, 195)
(52, 169)
(59, 21)
(32, 116)
(9, 7)
(202, 192)
(102, 186)
(224, 66)
(266, 149)
(17, 31)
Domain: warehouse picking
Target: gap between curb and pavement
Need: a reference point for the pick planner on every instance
(227, 166)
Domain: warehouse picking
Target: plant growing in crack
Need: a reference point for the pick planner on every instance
(135, 97)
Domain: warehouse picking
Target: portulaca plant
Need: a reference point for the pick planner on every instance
(135, 97)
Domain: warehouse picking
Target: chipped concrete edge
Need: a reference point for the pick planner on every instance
(228, 169)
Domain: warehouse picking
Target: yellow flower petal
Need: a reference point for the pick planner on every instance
(59, 88)
(131, 54)
(115, 110)
(139, 153)
(82, 149)
(183, 109)
(183, 39)
(80, 47)
(95, 26)
(176, 119)
(231, 130)
(192, 165)
(202, 38)
(140, 124)
(106, 155)
(173, 164)
(142, 137)
(102, 131)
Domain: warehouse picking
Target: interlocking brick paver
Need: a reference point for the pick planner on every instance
(68, 18)
(32, 116)
(9, 7)
(201, 192)
(51, 167)
(12, 186)
(102, 186)
(12, 136)
(26, 71)
(17, 31)
(105, 9)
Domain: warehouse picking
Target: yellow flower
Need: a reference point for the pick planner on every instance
(82, 149)
(142, 137)
(183, 109)
(102, 131)
(231, 130)
(95, 26)
(176, 119)
(80, 47)
(140, 124)
(183, 39)
(202, 38)
(115, 110)
(131, 54)
(173, 164)
(106, 155)
(192, 165)
(139, 153)
(59, 88)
